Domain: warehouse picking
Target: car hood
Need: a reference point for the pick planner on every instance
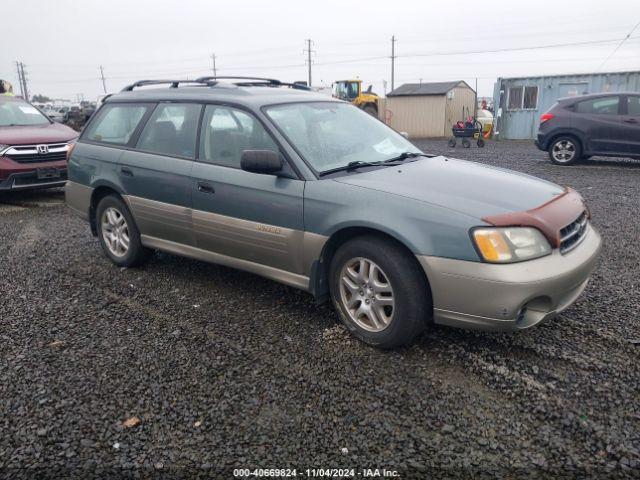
(467, 187)
(33, 134)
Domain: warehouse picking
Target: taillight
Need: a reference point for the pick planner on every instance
(545, 117)
(69, 150)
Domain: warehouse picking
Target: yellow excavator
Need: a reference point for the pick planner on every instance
(351, 91)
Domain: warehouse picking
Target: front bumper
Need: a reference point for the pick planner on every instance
(509, 297)
(29, 180)
(22, 176)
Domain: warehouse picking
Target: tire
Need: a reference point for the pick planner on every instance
(565, 150)
(466, 143)
(112, 210)
(452, 142)
(480, 143)
(371, 110)
(399, 283)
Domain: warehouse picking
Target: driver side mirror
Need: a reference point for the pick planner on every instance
(266, 162)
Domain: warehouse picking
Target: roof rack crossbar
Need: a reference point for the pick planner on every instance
(143, 83)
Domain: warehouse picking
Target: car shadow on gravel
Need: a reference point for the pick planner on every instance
(30, 196)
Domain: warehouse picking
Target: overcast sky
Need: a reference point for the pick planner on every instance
(63, 42)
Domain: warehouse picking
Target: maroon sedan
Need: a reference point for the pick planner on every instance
(33, 149)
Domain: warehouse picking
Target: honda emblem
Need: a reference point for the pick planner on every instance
(42, 149)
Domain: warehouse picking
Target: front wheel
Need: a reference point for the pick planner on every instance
(379, 291)
(452, 142)
(466, 143)
(118, 233)
(564, 151)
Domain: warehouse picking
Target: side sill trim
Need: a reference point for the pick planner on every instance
(282, 276)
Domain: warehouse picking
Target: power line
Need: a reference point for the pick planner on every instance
(517, 49)
(619, 45)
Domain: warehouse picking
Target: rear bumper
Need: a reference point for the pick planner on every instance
(509, 297)
(541, 142)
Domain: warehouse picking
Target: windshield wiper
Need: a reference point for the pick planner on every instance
(350, 166)
(406, 155)
(358, 163)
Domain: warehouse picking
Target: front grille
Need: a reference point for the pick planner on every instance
(33, 158)
(30, 153)
(573, 234)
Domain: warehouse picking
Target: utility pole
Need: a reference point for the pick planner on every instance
(213, 59)
(104, 84)
(25, 90)
(20, 79)
(393, 61)
(475, 110)
(308, 51)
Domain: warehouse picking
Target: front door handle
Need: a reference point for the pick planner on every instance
(205, 187)
(631, 120)
(126, 172)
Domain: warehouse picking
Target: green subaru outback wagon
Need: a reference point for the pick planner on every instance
(310, 191)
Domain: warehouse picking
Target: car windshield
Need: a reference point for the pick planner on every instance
(332, 135)
(20, 113)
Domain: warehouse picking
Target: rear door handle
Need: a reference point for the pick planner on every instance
(631, 120)
(126, 172)
(205, 187)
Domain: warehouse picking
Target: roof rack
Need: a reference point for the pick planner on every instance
(211, 81)
(143, 83)
(253, 82)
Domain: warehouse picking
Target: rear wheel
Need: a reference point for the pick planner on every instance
(118, 233)
(379, 291)
(452, 142)
(564, 150)
(466, 143)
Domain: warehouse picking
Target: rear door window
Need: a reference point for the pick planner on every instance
(599, 106)
(633, 105)
(172, 130)
(116, 124)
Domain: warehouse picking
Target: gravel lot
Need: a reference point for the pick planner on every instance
(222, 369)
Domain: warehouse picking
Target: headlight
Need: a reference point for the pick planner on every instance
(508, 245)
(3, 148)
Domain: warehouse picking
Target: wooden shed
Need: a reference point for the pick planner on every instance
(428, 109)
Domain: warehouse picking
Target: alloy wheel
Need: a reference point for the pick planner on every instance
(366, 294)
(115, 232)
(563, 151)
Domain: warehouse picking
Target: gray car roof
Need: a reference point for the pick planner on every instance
(250, 96)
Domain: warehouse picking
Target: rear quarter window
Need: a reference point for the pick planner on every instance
(115, 124)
